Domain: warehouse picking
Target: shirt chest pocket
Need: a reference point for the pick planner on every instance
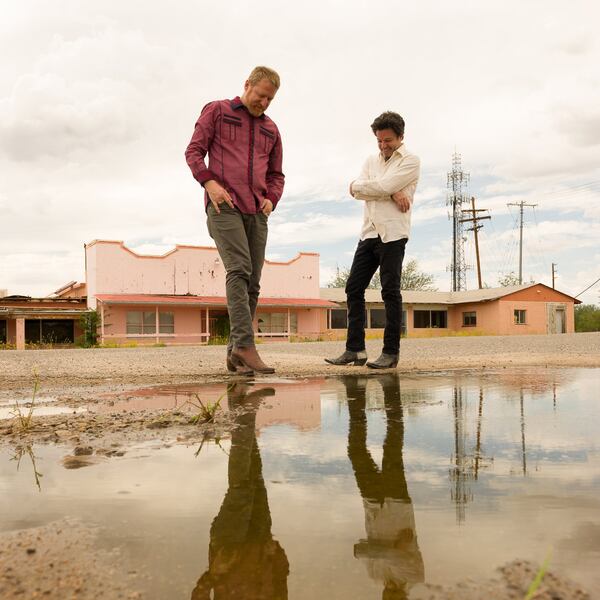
(232, 127)
(267, 139)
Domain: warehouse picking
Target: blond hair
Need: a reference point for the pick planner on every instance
(260, 73)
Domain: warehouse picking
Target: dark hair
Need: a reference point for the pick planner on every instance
(389, 120)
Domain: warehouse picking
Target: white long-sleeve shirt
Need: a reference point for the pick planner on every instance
(378, 180)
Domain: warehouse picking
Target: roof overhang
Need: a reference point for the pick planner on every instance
(207, 301)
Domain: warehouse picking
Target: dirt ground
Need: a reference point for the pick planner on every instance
(113, 368)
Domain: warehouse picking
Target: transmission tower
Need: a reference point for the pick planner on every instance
(456, 196)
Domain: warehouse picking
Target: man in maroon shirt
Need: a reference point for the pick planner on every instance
(243, 183)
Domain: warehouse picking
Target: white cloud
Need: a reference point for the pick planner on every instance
(98, 102)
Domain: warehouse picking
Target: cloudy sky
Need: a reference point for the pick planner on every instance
(98, 102)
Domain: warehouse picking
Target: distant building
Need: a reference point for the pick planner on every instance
(25, 320)
(519, 310)
(179, 298)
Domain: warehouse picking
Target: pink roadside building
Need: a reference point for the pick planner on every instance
(178, 298)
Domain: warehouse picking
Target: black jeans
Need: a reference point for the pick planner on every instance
(371, 254)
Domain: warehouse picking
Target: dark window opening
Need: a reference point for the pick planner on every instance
(339, 318)
(469, 319)
(3, 332)
(520, 317)
(377, 318)
(49, 331)
(424, 319)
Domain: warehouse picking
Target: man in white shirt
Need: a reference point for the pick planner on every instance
(387, 185)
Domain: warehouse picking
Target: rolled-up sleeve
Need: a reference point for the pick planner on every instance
(275, 178)
(394, 180)
(202, 138)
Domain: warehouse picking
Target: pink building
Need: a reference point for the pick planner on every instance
(519, 310)
(179, 297)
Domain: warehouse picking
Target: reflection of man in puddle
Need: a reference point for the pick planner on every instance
(244, 561)
(391, 551)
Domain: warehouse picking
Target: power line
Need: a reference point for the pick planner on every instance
(521, 205)
(588, 287)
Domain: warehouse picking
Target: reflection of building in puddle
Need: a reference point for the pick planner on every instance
(391, 551)
(244, 560)
(296, 403)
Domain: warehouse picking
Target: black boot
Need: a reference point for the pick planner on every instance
(385, 361)
(348, 357)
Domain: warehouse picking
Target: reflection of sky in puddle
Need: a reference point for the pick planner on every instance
(438, 479)
(8, 408)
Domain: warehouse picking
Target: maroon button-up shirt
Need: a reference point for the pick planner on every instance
(244, 154)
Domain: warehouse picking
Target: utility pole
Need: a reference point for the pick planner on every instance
(475, 229)
(457, 181)
(554, 265)
(521, 205)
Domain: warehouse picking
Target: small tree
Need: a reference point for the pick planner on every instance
(412, 278)
(511, 279)
(89, 322)
(340, 279)
(587, 317)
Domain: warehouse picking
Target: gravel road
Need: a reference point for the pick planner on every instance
(112, 366)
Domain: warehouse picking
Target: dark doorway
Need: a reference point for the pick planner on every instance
(3, 331)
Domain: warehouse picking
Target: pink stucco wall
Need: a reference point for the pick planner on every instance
(188, 322)
(487, 314)
(114, 269)
(191, 320)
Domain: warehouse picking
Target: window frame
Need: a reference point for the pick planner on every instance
(517, 313)
(469, 315)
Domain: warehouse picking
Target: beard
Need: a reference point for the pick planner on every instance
(256, 111)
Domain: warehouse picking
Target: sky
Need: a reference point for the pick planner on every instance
(98, 102)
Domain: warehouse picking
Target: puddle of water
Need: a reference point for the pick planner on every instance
(345, 488)
(8, 409)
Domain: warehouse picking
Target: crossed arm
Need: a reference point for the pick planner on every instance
(398, 184)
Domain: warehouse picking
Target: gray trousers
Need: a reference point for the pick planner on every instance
(241, 241)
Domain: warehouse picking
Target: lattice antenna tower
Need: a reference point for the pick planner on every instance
(457, 185)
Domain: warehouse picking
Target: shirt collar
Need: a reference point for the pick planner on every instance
(237, 103)
(400, 150)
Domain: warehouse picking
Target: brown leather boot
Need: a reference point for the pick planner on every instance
(250, 359)
(235, 366)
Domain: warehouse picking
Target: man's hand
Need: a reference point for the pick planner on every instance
(266, 206)
(217, 194)
(402, 201)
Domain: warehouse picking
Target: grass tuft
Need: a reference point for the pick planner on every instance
(535, 584)
(23, 415)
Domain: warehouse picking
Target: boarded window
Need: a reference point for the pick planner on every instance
(469, 319)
